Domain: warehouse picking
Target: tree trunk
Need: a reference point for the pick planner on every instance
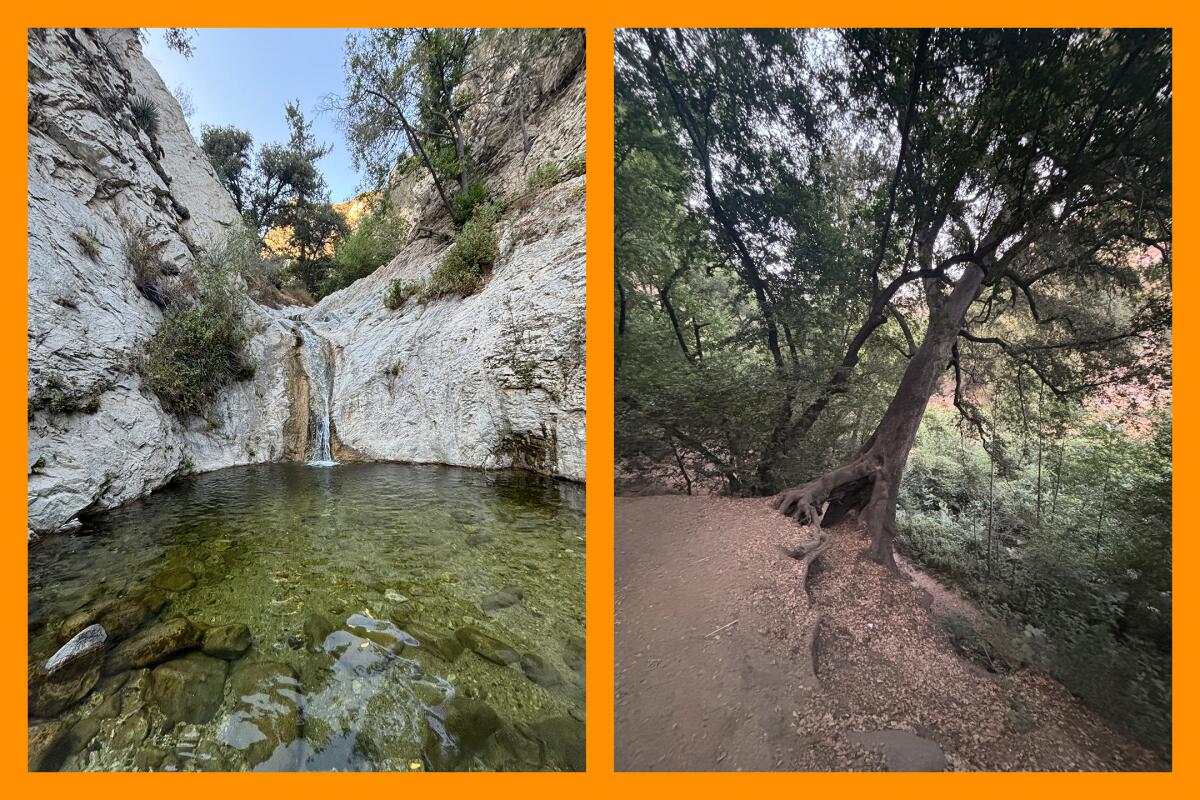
(870, 481)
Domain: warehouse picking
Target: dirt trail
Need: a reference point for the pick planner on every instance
(889, 690)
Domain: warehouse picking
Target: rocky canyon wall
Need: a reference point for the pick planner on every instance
(495, 379)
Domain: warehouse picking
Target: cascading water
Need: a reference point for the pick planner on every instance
(318, 366)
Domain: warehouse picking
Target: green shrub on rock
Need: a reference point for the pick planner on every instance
(474, 250)
(465, 203)
(375, 242)
(400, 292)
(200, 347)
(545, 175)
(145, 114)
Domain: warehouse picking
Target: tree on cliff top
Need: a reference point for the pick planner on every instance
(279, 180)
(1008, 191)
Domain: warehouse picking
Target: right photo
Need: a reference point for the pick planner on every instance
(892, 392)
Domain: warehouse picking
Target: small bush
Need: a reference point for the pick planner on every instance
(474, 250)
(241, 253)
(467, 201)
(200, 347)
(375, 242)
(145, 114)
(59, 396)
(989, 643)
(145, 258)
(400, 292)
(545, 175)
(88, 242)
(575, 166)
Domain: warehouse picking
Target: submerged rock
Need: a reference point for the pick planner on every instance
(487, 647)
(538, 671)
(575, 655)
(266, 723)
(176, 579)
(51, 693)
(87, 644)
(317, 627)
(226, 641)
(470, 722)
(564, 740)
(49, 744)
(508, 596)
(153, 645)
(445, 647)
(119, 616)
(189, 689)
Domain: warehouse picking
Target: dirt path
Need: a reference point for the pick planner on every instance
(889, 690)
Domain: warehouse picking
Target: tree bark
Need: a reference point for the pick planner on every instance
(870, 481)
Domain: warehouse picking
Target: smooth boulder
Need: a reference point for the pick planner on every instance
(486, 646)
(189, 689)
(49, 745)
(226, 641)
(153, 645)
(506, 597)
(119, 616)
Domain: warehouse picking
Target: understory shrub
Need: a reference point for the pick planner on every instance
(200, 346)
(467, 201)
(400, 292)
(144, 255)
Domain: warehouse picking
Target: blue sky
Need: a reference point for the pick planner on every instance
(244, 76)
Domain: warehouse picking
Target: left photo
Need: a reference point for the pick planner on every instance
(306, 399)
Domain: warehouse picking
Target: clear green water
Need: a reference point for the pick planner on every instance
(334, 570)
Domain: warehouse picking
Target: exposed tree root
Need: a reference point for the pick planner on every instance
(867, 484)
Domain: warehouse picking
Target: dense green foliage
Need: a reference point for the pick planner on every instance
(1065, 537)
(145, 114)
(375, 242)
(463, 267)
(794, 208)
(200, 346)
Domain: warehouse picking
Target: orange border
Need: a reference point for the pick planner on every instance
(599, 19)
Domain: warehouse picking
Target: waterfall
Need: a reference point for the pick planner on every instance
(318, 366)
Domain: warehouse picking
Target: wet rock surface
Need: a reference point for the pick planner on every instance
(152, 645)
(189, 689)
(48, 745)
(487, 646)
(226, 641)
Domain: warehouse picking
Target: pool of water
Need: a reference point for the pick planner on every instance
(400, 617)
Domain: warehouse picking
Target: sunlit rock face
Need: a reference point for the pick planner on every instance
(93, 172)
(495, 379)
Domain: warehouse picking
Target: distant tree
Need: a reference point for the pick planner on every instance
(279, 180)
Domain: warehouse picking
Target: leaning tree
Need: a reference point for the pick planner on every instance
(1024, 211)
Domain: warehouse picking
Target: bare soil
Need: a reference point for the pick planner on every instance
(718, 630)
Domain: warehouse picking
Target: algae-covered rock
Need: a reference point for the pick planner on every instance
(189, 689)
(153, 645)
(487, 646)
(226, 641)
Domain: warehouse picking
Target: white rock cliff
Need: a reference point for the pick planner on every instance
(491, 380)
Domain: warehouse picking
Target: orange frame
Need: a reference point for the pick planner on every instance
(600, 20)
